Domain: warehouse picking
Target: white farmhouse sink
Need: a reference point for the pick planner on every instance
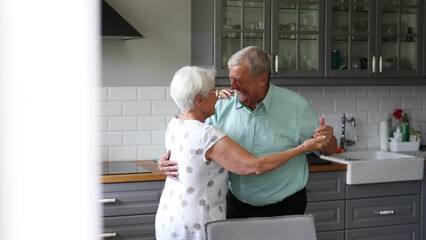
(377, 166)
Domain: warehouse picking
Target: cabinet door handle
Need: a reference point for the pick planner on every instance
(276, 63)
(108, 200)
(385, 212)
(373, 64)
(380, 65)
(109, 235)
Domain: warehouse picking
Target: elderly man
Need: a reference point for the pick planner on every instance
(264, 119)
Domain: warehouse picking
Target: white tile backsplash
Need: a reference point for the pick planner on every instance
(122, 93)
(112, 108)
(345, 104)
(137, 138)
(123, 123)
(134, 119)
(379, 91)
(137, 108)
(389, 104)
(367, 104)
(411, 103)
(323, 105)
(164, 108)
(357, 91)
(334, 92)
(151, 93)
(122, 153)
(152, 123)
(110, 139)
(401, 91)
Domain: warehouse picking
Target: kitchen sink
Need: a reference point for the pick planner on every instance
(378, 166)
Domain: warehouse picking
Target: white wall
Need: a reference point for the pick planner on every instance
(150, 61)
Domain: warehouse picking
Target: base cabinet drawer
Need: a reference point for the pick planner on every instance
(129, 227)
(136, 198)
(335, 235)
(401, 232)
(323, 186)
(375, 212)
(328, 216)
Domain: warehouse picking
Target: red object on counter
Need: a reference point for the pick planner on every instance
(397, 114)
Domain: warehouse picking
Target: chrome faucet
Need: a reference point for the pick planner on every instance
(343, 141)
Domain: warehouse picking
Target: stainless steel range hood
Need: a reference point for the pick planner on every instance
(115, 27)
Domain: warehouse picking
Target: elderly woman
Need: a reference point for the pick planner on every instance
(205, 154)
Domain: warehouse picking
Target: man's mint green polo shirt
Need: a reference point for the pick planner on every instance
(283, 120)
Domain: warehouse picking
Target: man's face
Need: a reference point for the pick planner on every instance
(246, 87)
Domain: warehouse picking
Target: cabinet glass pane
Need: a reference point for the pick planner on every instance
(399, 35)
(308, 52)
(351, 36)
(409, 55)
(390, 53)
(231, 15)
(242, 24)
(253, 39)
(231, 43)
(254, 15)
(287, 46)
(298, 36)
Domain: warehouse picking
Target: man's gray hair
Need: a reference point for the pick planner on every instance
(188, 82)
(255, 58)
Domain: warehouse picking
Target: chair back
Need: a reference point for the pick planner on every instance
(292, 227)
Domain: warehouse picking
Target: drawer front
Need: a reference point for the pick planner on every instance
(131, 198)
(404, 232)
(324, 186)
(130, 227)
(383, 189)
(328, 215)
(336, 235)
(382, 211)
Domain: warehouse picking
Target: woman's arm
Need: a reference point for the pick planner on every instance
(236, 159)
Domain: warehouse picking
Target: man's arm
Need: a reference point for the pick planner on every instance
(168, 167)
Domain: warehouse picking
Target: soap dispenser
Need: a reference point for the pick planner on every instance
(398, 134)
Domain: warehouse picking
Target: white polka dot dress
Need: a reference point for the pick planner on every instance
(199, 195)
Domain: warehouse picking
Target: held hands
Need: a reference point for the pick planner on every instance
(168, 167)
(314, 144)
(330, 142)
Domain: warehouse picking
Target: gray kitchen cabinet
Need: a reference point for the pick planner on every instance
(383, 211)
(365, 211)
(316, 42)
(290, 31)
(326, 201)
(129, 209)
(297, 39)
(423, 207)
(374, 39)
(400, 232)
(424, 46)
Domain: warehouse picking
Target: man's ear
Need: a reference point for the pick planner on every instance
(263, 79)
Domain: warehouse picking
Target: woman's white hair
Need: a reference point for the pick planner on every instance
(188, 82)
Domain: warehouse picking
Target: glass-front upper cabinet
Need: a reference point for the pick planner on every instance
(240, 24)
(373, 38)
(297, 34)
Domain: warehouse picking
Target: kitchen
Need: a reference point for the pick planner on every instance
(136, 109)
